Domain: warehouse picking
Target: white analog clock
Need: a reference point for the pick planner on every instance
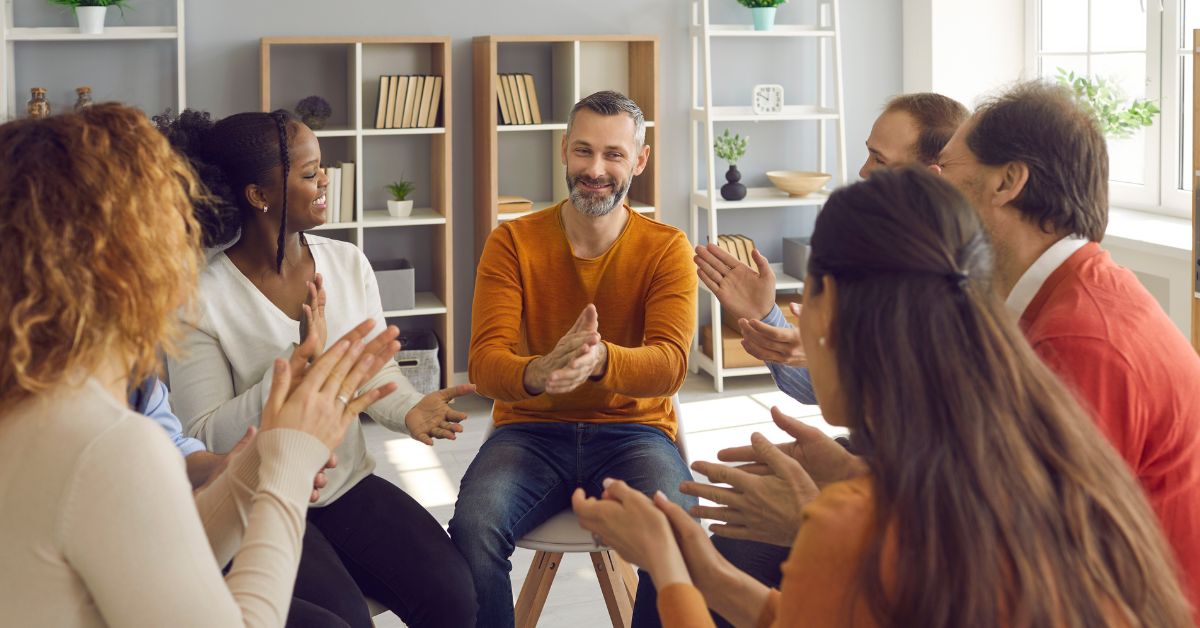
(768, 99)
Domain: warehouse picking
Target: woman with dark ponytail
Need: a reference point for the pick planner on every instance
(988, 497)
(271, 287)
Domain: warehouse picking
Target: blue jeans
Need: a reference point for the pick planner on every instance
(525, 473)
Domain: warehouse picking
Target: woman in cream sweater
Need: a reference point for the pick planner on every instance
(98, 524)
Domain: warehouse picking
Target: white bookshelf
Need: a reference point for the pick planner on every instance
(357, 63)
(706, 202)
(12, 104)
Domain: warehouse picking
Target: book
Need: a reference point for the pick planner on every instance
(347, 196)
(426, 101)
(531, 90)
(411, 102)
(333, 193)
(393, 94)
(513, 204)
(437, 102)
(523, 96)
(381, 105)
(502, 100)
(514, 104)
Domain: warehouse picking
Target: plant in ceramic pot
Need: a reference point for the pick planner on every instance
(763, 12)
(400, 205)
(314, 111)
(90, 13)
(731, 148)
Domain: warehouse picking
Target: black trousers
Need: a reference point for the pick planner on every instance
(376, 541)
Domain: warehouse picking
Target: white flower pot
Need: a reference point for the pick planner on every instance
(91, 19)
(400, 209)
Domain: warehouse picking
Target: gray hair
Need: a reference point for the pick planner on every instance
(610, 103)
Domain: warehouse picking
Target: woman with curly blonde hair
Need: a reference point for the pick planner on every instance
(99, 525)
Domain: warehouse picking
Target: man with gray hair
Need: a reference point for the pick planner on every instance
(582, 320)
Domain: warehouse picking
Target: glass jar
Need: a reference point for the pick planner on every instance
(84, 99)
(38, 106)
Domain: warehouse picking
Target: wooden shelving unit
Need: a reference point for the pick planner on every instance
(524, 159)
(12, 102)
(425, 236)
(706, 202)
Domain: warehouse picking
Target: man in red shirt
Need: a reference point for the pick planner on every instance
(1035, 165)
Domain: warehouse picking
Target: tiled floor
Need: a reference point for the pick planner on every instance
(710, 422)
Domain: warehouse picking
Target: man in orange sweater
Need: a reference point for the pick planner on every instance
(582, 320)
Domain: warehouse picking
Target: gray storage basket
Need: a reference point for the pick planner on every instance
(418, 359)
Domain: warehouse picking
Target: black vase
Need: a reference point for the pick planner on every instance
(733, 191)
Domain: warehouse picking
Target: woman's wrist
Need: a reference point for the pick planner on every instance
(667, 566)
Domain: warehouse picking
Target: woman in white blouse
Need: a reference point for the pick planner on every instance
(98, 522)
(270, 287)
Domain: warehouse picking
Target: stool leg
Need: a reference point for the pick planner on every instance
(628, 575)
(612, 585)
(535, 588)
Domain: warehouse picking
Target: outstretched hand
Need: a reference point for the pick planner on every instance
(433, 417)
(768, 343)
(757, 507)
(741, 290)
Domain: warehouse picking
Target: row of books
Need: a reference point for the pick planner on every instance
(408, 102)
(517, 98)
(339, 194)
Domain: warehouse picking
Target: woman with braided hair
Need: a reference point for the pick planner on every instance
(268, 289)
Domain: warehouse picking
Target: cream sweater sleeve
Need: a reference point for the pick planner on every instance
(129, 529)
(224, 504)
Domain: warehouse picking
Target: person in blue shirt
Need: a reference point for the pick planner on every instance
(150, 399)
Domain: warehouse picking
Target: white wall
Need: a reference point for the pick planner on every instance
(963, 49)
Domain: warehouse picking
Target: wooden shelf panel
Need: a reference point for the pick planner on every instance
(419, 216)
(427, 304)
(111, 33)
(760, 197)
(746, 114)
(334, 132)
(538, 206)
(747, 30)
(551, 126)
(709, 366)
(437, 130)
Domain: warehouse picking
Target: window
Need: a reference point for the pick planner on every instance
(1143, 46)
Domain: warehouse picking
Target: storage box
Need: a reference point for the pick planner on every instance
(397, 287)
(795, 256)
(418, 359)
(733, 355)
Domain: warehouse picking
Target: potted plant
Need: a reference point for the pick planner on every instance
(400, 206)
(731, 148)
(90, 13)
(763, 12)
(314, 111)
(1117, 119)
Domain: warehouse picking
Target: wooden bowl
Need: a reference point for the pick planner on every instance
(798, 182)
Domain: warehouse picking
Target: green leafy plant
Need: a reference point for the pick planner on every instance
(761, 4)
(401, 189)
(1108, 103)
(731, 148)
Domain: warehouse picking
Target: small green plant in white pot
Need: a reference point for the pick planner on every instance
(400, 205)
(763, 12)
(90, 13)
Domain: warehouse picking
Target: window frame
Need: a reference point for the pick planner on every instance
(1160, 192)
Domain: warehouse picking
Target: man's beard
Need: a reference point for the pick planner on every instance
(597, 205)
